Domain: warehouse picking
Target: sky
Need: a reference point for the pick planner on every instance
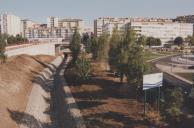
(88, 10)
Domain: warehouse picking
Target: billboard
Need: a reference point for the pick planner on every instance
(152, 80)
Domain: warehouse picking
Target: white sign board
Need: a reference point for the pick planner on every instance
(152, 80)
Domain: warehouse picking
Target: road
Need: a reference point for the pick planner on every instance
(169, 78)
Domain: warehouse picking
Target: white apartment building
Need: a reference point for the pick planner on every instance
(26, 24)
(165, 30)
(52, 22)
(109, 27)
(10, 24)
(72, 24)
(101, 22)
(44, 32)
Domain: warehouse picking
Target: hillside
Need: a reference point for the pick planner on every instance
(16, 83)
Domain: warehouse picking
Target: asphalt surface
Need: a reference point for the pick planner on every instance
(169, 79)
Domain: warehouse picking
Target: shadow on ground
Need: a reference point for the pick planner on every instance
(22, 118)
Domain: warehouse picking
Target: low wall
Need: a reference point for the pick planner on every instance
(44, 49)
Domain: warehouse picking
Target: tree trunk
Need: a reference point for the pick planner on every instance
(121, 78)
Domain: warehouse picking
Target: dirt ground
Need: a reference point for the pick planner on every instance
(105, 103)
(15, 84)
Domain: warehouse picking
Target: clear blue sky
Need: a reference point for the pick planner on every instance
(39, 10)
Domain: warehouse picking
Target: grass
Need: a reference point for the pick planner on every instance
(148, 55)
(152, 55)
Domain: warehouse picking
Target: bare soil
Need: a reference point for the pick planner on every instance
(16, 77)
(106, 103)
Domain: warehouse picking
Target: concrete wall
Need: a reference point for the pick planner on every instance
(44, 49)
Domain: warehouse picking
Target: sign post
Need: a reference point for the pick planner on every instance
(145, 102)
(152, 81)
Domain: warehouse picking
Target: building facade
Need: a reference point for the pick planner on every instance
(10, 24)
(102, 22)
(25, 25)
(52, 22)
(163, 28)
(166, 30)
(109, 27)
(55, 28)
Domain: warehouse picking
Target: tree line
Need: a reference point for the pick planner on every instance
(124, 52)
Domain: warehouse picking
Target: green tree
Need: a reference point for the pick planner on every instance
(115, 40)
(171, 108)
(83, 67)
(102, 47)
(11, 40)
(178, 41)
(158, 42)
(150, 41)
(142, 40)
(94, 47)
(136, 66)
(86, 42)
(124, 53)
(19, 38)
(2, 48)
(126, 56)
(75, 45)
(190, 40)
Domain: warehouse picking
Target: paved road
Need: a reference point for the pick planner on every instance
(170, 78)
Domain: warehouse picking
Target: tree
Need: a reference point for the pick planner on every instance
(171, 108)
(142, 40)
(126, 56)
(75, 45)
(127, 40)
(190, 40)
(136, 66)
(150, 41)
(102, 47)
(158, 42)
(2, 48)
(86, 42)
(19, 38)
(83, 67)
(115, 40)
(94, 47)
(178, 41)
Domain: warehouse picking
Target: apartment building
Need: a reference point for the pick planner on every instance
(72, 24)
(10, 24)
(165, 29)
(185, 19)
(52, 22)
(27, 24)
(101, 22)
(109, 27)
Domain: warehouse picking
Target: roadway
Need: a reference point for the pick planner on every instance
(171, 78)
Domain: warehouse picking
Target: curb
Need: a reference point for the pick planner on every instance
(72, 108)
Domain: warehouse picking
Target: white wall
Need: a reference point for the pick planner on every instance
(40, 49)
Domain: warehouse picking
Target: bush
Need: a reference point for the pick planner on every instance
(171, 108)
